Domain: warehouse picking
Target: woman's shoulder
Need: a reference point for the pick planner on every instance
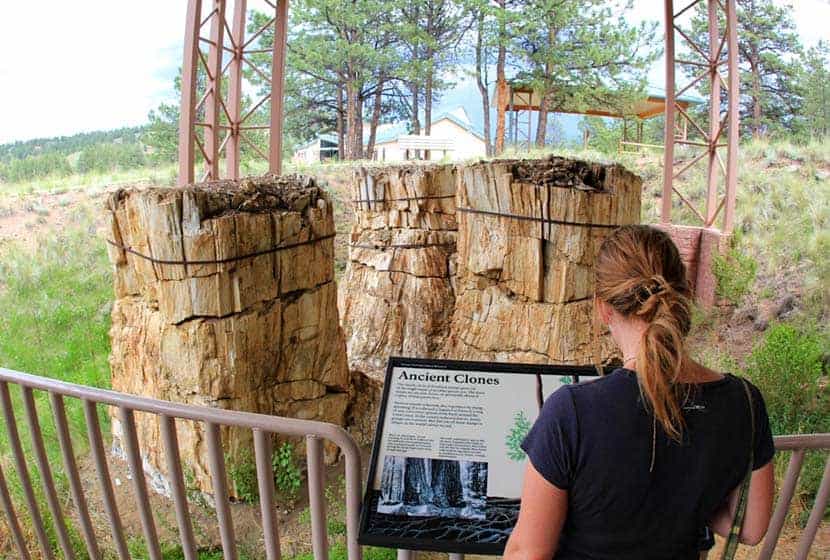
(598, 391)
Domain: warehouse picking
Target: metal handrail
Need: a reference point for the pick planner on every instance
(798, 444)
(261, 425)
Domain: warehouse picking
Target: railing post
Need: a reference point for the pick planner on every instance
(316, 502)
(22, 470)
(176, 476)
(218, 476)
(11, 517)
(816, 514)
(265, 478)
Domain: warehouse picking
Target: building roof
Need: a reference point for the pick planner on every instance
(326, 137)
(652, 104)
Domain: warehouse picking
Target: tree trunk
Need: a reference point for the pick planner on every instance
(218, 331)
(428, 103)
(481, 81)
(428, 100)
(501, 83)
(341, 129)
(756, 93)
(416, 121)
(373, 125)
(542, 125)
(354, 126)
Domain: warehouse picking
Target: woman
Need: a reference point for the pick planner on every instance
(637, 463)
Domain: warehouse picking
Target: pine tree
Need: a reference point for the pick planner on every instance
(768, 56)
(580, 54)
(816, 88)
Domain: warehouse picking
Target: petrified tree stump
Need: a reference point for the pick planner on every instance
(529, 232)
(397, 296)
(225, 297)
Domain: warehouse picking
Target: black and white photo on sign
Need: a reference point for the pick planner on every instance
(419, 487)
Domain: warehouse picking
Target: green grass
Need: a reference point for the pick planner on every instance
(55, 299)
(162, 175)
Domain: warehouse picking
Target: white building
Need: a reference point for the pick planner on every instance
(452, 137)
(318, 149)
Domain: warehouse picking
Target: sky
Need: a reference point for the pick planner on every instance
(84, 65)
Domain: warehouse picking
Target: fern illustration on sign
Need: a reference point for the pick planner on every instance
(517, 433)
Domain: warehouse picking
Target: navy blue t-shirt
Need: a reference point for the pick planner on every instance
(595, 441)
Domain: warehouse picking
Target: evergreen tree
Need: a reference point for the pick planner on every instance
(350, 45)
(581, 53)
(816, 89)
(769, 55)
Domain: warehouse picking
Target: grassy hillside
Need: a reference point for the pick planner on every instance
(774, 285)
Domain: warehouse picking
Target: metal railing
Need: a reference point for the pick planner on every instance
(798, 445)
(262, 426)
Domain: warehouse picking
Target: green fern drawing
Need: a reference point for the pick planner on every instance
(517, 433)
(566, 380)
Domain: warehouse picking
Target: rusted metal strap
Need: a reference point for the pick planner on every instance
(534, 219)
(400, 246)
(220, 261)
(405, 199)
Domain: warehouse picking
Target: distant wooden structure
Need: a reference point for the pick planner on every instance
(523, 101)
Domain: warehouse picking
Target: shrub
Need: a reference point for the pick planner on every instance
(287, 476)
(242, 471)
(787, 367)
(734, 274)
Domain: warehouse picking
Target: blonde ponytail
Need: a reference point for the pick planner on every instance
(639, 273)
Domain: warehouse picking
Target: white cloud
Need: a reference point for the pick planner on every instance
(85, 65)
(71, 66)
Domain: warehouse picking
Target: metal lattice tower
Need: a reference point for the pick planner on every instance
(718, 126)
(214, 106)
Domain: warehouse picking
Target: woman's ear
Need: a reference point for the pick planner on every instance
(604, 311)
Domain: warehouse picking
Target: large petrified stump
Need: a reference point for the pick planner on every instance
(529, 232)
(225, 297)
(397, 296)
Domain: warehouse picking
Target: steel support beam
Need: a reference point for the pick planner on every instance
(213, 103)
(235, 89)
(212, 121)
(712, 135)
(734, 116)
(187, 113)
(668, 139)
(277, 85)
(714, 114)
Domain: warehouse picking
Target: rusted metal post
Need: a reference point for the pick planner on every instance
(734, 116)
(263, 450)
(187, 111)
(668, 139)
(816, 515)
(317, 505)
(277, 86)
(213, 104)
(235, 89)
(714, 114)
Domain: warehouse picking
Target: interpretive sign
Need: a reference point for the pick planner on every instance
(447, 467)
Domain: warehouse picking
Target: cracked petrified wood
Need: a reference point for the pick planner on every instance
(397, 294)
(225, 297)
(529, 232)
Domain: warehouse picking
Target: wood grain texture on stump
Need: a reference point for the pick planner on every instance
(397, 294)
(257, 332)
(529, 233)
